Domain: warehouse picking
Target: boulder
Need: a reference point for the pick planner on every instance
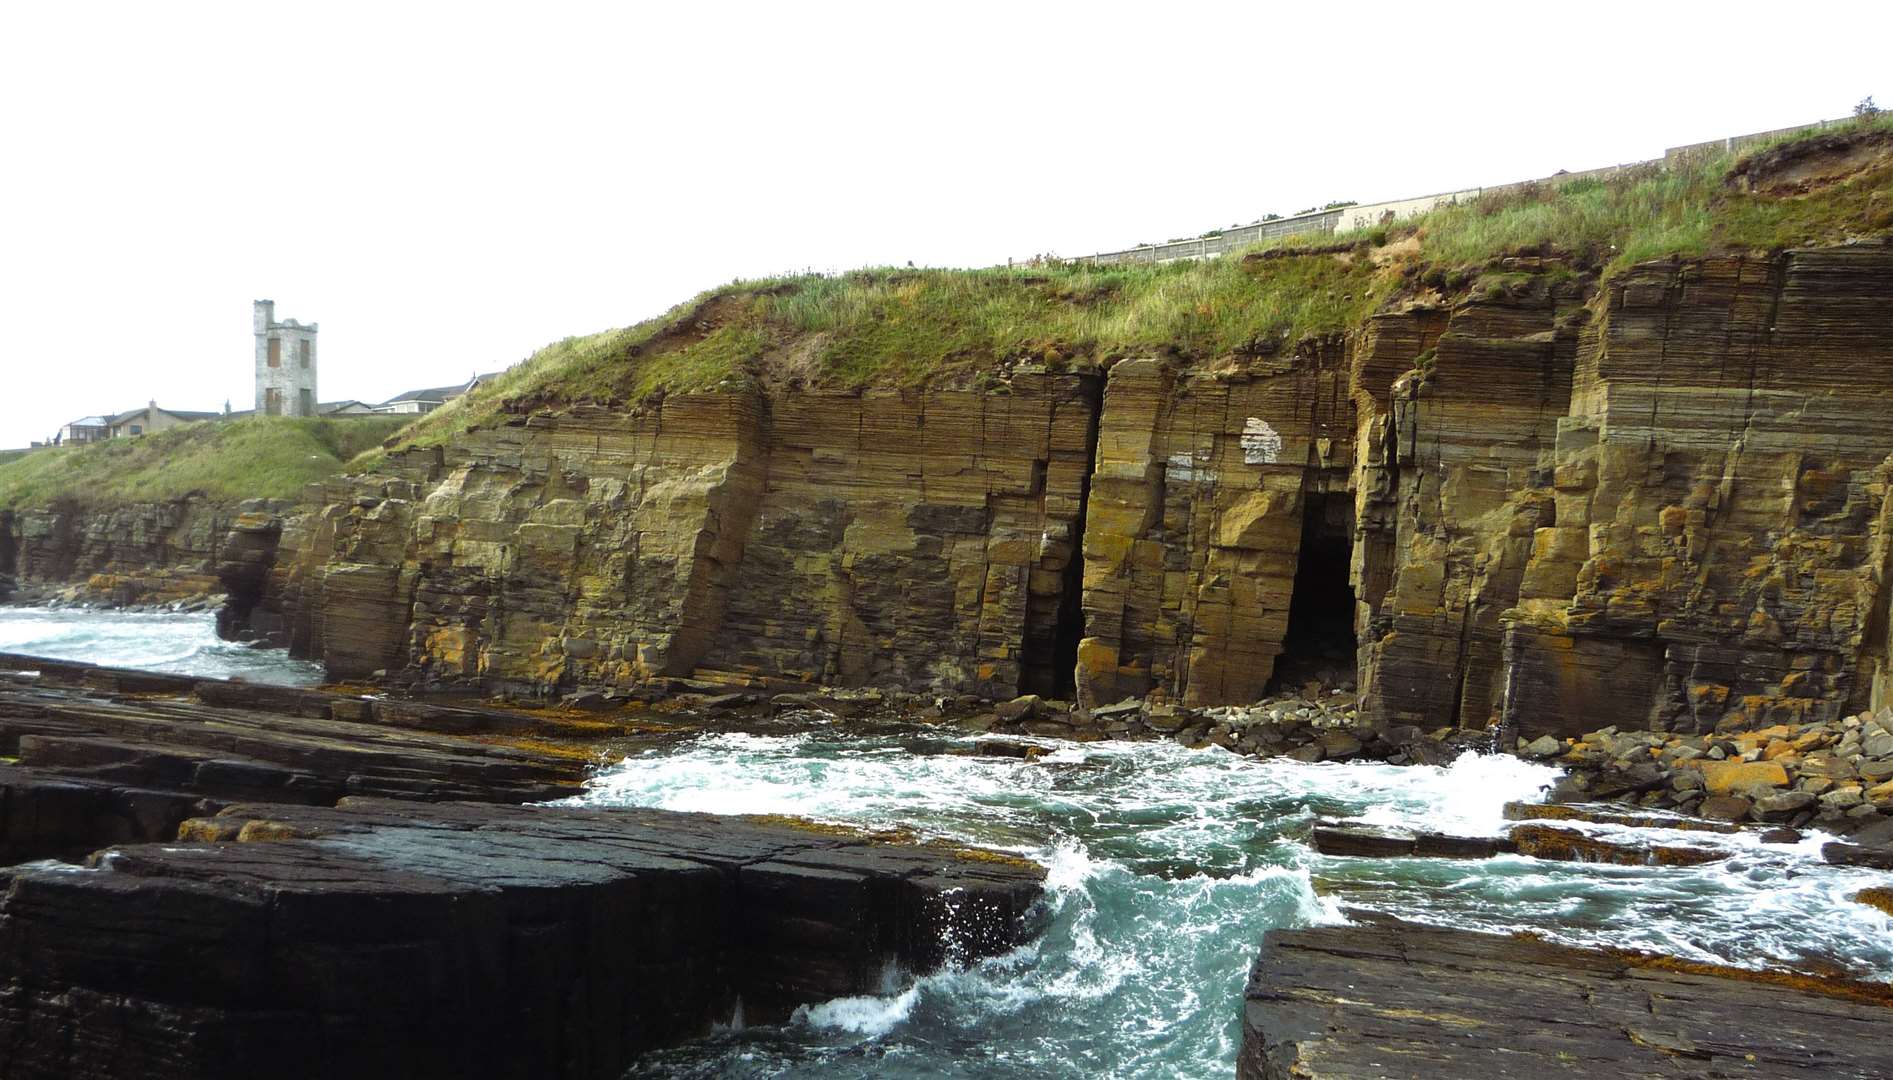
(1725, 808)
(1020, 708)
(1741, 777)
(1544, 746)
(1781, 805)
(1339, 745)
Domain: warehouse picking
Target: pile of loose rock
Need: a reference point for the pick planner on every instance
(1834, 775)
(1316, 724)
(107, 593)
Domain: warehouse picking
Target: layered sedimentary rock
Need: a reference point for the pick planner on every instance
(1718, 553)
(283, 890)
(919, 539)
(1656, 502)
(1195, 522)
(1458, 410)
(1397, 1000)
(922, 540)
(1664, 509)
(95, 756)
(137, 553)
(388, 939)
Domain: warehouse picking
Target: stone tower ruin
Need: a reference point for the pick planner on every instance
(285, 363)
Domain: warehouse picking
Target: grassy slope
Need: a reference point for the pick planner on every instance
(264, 457)
(1687, 211)
(905, 326)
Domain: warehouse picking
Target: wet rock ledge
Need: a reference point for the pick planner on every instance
(272, 923)
(1397, 1000)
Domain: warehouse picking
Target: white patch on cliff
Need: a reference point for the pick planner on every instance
(1187, 467)
(1261, 444)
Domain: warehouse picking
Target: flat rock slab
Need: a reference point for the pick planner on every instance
(1380, 842)
(1875, 856)
(1573, 845)
(1531, 838)
(389, 938)
(1402, 1001)
(96, 763)
(1614, 814)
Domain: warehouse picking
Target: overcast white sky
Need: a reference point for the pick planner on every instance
(447, 187)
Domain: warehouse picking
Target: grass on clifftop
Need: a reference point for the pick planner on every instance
(903, 327)
(258, 458)
(1693, 209)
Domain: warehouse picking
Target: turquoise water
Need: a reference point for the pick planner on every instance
(1167, 867)
(152, 641)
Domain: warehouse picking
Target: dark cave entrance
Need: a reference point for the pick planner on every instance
(1320, 641)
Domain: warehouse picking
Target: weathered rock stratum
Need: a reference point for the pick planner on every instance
(138, 553)
(1661, 501)
(306, 883)
(1397, 1000)
(386, 938)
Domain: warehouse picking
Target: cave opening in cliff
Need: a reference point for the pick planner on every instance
(1320, 642)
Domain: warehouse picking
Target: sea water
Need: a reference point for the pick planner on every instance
(185, 643)
(1167, 867)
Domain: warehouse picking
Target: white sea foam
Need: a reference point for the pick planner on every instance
(1165, 867)
(865, 1015)
(186, 643)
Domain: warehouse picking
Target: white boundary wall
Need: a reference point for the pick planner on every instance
(1349, 218)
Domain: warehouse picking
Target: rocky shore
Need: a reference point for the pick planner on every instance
(1833, 775)
(318, 883)
(112, 593)
(1393, 1000)
(156, 556)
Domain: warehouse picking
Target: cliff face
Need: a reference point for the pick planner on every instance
(139, 553)
(1550, 504)
(1718, 555)
(1195, 523)
(1668, 508)
(917, 539)
(1451, 488)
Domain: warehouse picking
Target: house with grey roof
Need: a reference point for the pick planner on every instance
(426, 401)
(151, 418)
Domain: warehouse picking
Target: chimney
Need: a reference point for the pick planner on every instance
(262, 313)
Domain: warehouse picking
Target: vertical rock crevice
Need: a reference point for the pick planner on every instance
(1055, 623)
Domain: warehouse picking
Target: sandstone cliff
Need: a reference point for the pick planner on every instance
(1717, 552)
(1490, 465)
(154, 552)
(922, 539)
(1662, 500)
